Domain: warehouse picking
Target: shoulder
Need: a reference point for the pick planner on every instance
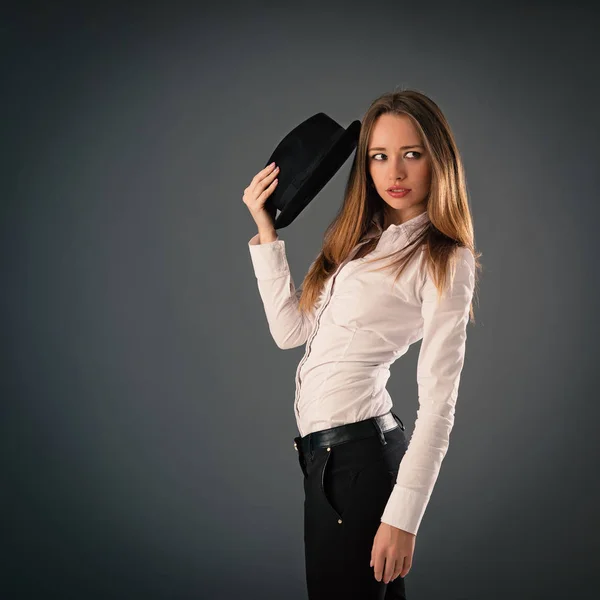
(460, 274)
(464, 258)
(463, 279)
(461, 256)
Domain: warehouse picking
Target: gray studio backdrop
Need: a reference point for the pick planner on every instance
(147, 415)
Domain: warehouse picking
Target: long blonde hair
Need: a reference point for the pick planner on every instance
(449, 225)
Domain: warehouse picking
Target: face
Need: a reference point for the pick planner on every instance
(397, 158)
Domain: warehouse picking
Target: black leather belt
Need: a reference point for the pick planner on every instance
(349, 432)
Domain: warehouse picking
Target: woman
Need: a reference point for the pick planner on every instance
(366, 488)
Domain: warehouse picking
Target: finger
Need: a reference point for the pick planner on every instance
(269, 178)
(373, 555)
(261, 175)
(406, 567)
(264, 171)
(262, 198)
(390, 567)
(378, 565)
(397, 571)
(263, 185)
(257, 201)
(399, 566)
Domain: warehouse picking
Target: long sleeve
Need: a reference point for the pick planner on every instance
(440, 363)
(288, 326)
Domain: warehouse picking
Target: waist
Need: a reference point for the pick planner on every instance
(326, 438)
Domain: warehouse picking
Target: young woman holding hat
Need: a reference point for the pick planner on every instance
(398, 265)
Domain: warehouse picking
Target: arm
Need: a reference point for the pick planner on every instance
(288, 326)
(440, 363)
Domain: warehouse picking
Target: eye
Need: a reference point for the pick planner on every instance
(418, 155)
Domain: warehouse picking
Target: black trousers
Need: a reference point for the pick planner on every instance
(349, 473)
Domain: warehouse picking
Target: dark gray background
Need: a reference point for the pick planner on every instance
(147, 415)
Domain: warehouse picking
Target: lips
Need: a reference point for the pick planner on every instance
(392, 189)
(399, 194)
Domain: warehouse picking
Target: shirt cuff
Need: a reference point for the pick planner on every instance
(268, 259)
(405, 509)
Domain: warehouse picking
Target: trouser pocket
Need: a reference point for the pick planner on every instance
(337, 484)
(358, 479)
(301, 457)
(302, 464)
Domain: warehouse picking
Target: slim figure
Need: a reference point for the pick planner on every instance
(398, 265)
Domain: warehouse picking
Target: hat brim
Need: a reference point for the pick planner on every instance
(302, 193)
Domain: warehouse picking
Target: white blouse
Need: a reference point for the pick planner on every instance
(360, 326)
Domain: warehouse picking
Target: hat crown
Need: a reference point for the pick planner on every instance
(308, 156)
(305, 142)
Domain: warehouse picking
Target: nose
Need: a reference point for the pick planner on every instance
(396, 174)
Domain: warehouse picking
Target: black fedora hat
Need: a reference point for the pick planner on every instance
(308, 157)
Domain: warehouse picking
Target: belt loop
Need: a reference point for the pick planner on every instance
(399, 421)
(379, 431)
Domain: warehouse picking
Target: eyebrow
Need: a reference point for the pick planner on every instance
(401, 147)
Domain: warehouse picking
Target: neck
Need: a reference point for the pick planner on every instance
(399, 218)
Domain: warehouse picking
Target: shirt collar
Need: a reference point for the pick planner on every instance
(408, 227)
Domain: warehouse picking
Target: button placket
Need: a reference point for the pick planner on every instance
(326, 302)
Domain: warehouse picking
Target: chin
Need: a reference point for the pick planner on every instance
(397, 203)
